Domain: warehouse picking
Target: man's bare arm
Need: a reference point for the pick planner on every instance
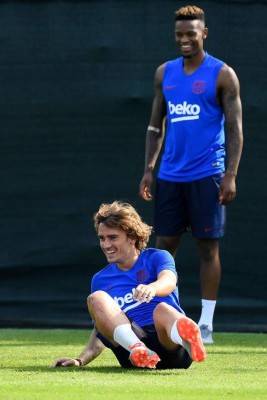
(154, 136)
(93, 349)
(229, 92)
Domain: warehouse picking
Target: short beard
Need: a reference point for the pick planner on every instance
(188, 56)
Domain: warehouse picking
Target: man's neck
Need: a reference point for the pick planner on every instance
(190, 65)
(126, 265)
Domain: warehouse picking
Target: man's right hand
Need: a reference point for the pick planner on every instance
(65, 362)
(145, 187)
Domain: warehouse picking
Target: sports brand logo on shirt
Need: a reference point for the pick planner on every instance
(198, 87)
(170, 87)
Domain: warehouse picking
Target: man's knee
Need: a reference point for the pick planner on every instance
(160, 310)
(95, 299)
(208, 249)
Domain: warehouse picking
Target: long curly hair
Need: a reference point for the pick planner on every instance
(123, 216)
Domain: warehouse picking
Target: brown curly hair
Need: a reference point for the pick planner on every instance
(123, 216)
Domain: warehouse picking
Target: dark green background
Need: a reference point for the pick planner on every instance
(75, 99)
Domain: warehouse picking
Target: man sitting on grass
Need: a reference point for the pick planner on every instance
(134, 300)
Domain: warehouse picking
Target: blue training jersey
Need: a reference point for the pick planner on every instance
(195, 139)
(120, 285)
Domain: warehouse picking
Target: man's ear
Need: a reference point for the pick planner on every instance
(205, 33)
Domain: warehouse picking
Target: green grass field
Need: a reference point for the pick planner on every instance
(235, 368)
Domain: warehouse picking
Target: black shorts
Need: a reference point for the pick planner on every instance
(179, 359)
(183, 206)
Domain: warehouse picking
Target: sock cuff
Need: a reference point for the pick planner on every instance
(174, 334)
(208, 302)
(117, 331)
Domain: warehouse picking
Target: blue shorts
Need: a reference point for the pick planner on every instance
(183, 206)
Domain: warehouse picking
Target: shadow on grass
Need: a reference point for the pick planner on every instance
(89, 369)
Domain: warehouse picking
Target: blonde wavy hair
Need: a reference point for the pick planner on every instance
(123, 216)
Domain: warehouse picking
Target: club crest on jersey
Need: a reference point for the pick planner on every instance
(142, 275)
(198, 87)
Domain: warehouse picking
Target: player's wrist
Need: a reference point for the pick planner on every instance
(149, 170)
(153, 128)
(79, 361)
(230, 173)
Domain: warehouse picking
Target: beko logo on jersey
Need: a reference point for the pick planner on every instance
(128, 298)
(128, 301)
(185, 110)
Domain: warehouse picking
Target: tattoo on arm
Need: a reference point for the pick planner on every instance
(233, 120)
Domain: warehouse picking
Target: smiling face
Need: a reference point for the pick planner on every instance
(117, 246)
(189, 36)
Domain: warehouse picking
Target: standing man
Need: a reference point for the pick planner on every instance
(196, 96)
(134, 300)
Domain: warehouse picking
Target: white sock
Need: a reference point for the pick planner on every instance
(175, 337)
(207, 313)
(124, 336)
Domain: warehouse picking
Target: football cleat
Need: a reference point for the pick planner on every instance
(142, 357)
(206, 334)
(191, 336)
